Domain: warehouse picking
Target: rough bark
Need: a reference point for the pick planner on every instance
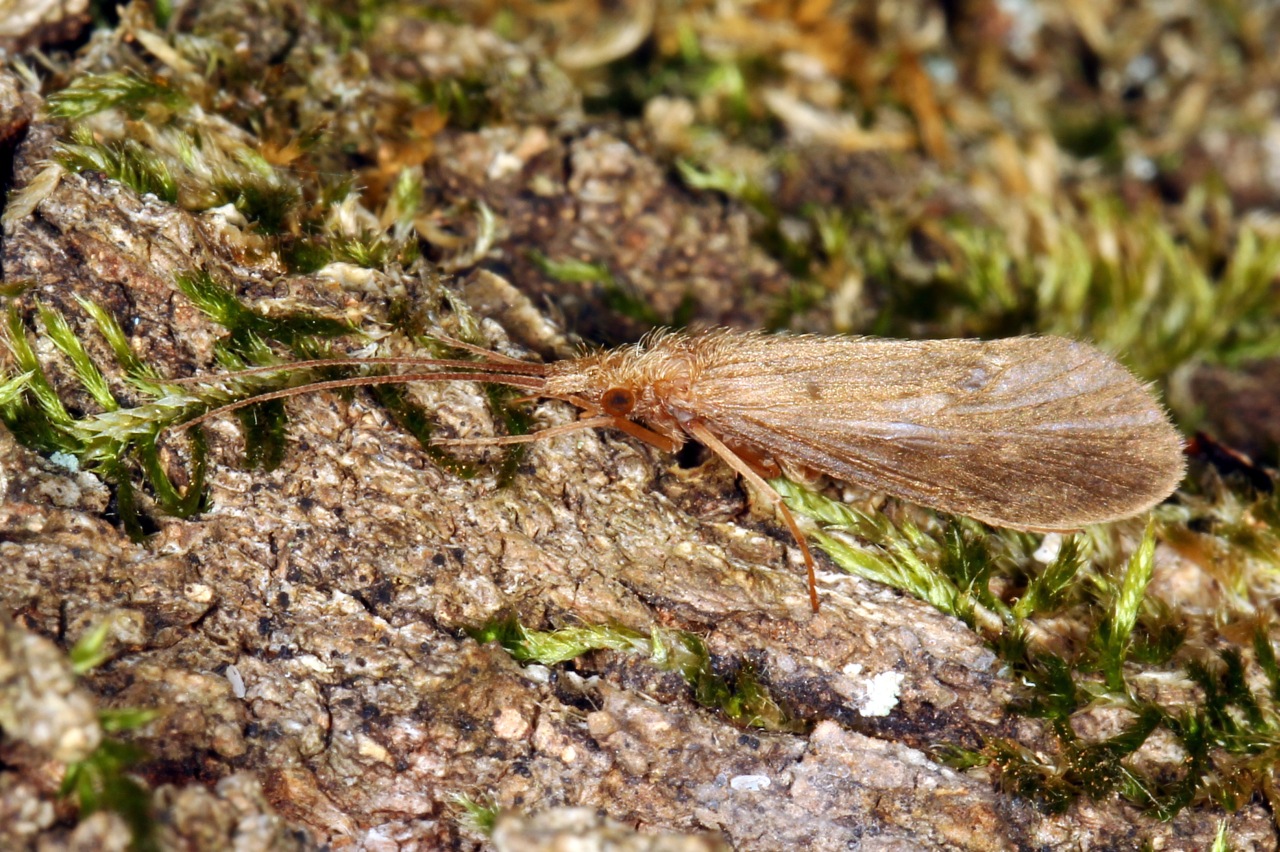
(307, 635)
(304, 640)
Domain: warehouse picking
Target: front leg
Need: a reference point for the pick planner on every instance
(700, 431)
(635, 430)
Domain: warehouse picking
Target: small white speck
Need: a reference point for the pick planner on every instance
(852, 670)
(942, 70)
(750, 783)
(1048, 550)
(65, 460)
(1140, 167)
(1024, 23)
(1141, 69)
(503, 165)
(314, 663)
(198, 592)
(367, 747)
(237, 682)
(882, 694)
(537, 674)
(1271, 147)
(230, 214)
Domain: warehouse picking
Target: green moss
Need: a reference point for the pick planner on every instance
(305, 255)
(371, 251)
(1230, 733)
(91, 650)
(246, 345)
(1221, 843)
(32, 409)
(262, 199)
(1086, 133)
(128, 162)
(479, 816)
(1114, 632)
(113, 439)
(465, 101)
(738, 693)
(734, 184)
(101, 781)
(182, 156)
(616, 295)
(122, 443)
(11, 389)
(1138, 287)
(902, 556)
(127, 91)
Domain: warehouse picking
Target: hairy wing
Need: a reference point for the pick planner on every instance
(1030, 432)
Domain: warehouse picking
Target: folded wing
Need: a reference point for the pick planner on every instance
(1031, 433)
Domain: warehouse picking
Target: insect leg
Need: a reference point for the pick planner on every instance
(702, 433)
(649, 436)
(550, 432)
(760, 463)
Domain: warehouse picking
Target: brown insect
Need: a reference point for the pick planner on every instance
(1032, 433)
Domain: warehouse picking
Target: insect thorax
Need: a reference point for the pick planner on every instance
(656, 374)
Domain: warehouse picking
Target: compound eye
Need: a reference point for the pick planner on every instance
(618, 402)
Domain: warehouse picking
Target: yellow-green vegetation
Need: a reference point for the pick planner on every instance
(120, 442)
(1227, 728)
(616, 296)
(479, 816)
(101, 781)
(738, 694)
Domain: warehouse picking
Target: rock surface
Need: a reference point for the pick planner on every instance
(304, 640)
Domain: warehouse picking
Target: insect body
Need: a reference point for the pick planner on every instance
(1036, 433)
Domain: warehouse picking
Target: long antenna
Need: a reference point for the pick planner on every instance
(533, 383)
(519, 367)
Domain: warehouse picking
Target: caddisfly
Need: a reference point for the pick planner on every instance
(1034, 433)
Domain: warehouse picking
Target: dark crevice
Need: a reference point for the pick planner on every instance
(8, 158)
